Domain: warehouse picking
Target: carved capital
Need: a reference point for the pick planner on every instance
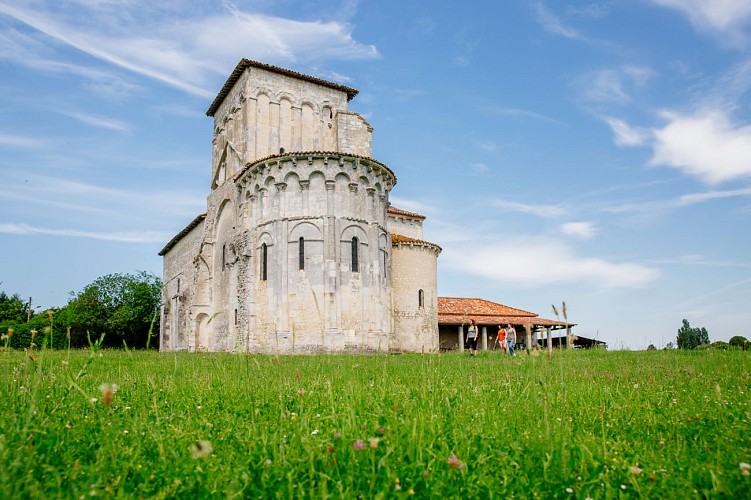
(304, 184)
(330, 185)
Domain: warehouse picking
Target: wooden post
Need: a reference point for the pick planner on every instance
(484, 338)
(569, 342)
(529, 338)
(550, 339)
(460, 332)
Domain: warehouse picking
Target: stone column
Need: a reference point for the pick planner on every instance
(569, 343)
(484, 338)
(460, 332)
(550, 340)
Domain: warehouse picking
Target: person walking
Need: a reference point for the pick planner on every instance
(470, 342)
(510, 339)
(501, 339)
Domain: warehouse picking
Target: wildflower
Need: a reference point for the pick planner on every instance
(32, 357)
(200, 449)
(359, 445)
(636, 386)
(380, 430)
(635, 469)
(410, 492)
(126, 432)
(3, 337)
(425, 473)
(33, 334)
(93, 400)
(455, 463)
(314, 433)
(268, 461)
(10, 332)
(623, 486)
(397, 487)
(745, 468)
(373, 442)
(337, 435)
(569, 490)
(49, 315)
(301, 392)
(364, 426)
(108, 392)
(331, 449)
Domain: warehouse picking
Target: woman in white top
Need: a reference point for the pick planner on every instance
(470, 342)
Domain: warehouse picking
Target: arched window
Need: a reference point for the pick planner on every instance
(224, 256)
(355, 256)
(301, 252)
(420, 298)
(264, 262)
(178, 285)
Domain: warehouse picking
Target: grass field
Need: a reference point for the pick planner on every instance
(593, 424)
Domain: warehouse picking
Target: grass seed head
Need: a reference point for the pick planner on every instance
(108, 393)
(455, 463)
(200, 449)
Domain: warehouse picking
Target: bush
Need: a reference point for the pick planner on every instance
(739, 342)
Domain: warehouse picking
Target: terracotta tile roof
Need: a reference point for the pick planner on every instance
(458, 310)
(315, 154)
(182, 233)
(247, 63)
(399, 211)
(399, 239)
(477, 307)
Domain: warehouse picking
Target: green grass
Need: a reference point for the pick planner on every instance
(586, 424)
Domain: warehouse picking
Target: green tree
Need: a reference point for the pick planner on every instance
(12, 308)
(121, 306)
(691, 338)
(739, 342)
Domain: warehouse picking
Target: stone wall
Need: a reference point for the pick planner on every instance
(414, 268)
(405, 225)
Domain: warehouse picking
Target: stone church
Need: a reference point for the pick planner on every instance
(299, 249)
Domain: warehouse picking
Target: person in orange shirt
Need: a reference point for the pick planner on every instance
(501, 339)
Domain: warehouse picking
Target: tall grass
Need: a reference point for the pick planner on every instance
(586, 424)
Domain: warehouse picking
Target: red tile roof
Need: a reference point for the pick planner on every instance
(247, 63)
(458, 310)
(398, 239)
(399, 211)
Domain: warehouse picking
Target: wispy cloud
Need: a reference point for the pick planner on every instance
(479, 168)
(583, 230)
(186, 53)
(123, 237)
(725, 19)
(530, 114)
(551, 23)
(19, 141)
(656, 206)
(626, 135)
(539, 261)
(540, 210)
(614, 85)
(96, 121)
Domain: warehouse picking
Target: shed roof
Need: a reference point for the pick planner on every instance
(398, 211)
(399, 239)
(247, 63)
(459, 310)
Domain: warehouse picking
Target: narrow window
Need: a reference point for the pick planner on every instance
(385, 256)
(178, 285)
(355, 262)
(421, 298)
(301, 254)
(235, 316)
(264, 262)
(224, 255)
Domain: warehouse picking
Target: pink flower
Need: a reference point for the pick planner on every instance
(635, 470)
(359, 445)
(373, 442)
(455, 463)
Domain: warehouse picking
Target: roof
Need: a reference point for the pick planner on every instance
(329, 154)
(399, 239)
(247, 63)
(182, 233)
(457, 310)
(398, 211)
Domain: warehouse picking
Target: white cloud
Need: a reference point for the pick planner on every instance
(625, 135)
(537, 262)
(529, 114)
(123, 237)
(584, 230)
(187, 53)
(614, 85)
(540, 210)
(479, 168)
(18, 141)
(706, 145)
(96, 121)
(553, 24)
(726, 18)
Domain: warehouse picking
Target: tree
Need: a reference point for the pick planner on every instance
(12, 308)
(691, 338)
(122, 306)
(739, 342)
(669, 345)
(651, 347)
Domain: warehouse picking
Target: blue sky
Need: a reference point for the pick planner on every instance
(597, 153)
